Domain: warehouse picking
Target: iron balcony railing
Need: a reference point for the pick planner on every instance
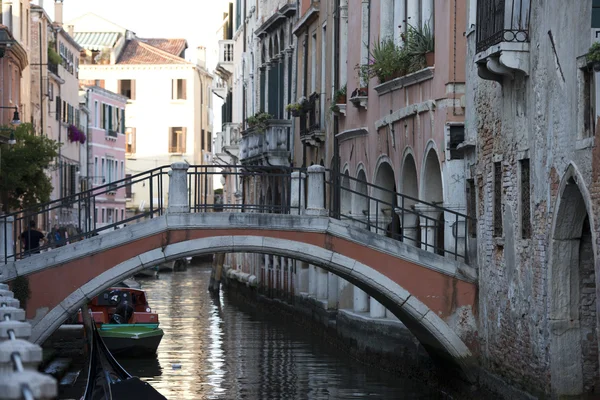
(264, 189)
(502, 21)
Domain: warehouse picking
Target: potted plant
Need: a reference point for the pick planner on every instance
(593, 56)
(388, 60)
(260, 121)
(75, 135)
(53, 56)
(340, 95)
(334, 108)
(420, 45)
(294, 108)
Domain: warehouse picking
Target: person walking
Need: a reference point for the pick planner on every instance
(30, 239)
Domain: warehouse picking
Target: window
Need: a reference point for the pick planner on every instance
(109, 216)
(127, 88)
(130, 141)
(202, 140)
(103, 215)
(238, 14)
(122, 214)
(589, 103)
(313, 64)
(95, 170)
(498, 199)
(177, 140)
(110, 171)
(471, 208)
(99, 83)
(122, 174)
(103, 117)
(128, 187)
(525, 200)
(96, 214)
(122, 125)
(179, 89)
(102, 174)
(209, 139)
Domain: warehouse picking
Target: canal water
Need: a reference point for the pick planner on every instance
(214, 350)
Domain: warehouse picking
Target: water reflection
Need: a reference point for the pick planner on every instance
(213, 349)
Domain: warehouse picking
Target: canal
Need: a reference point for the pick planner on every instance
(214, 350)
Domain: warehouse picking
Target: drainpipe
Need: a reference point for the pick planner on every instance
(336, 121)
(41, 80)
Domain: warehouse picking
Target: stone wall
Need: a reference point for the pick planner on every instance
(524, 300)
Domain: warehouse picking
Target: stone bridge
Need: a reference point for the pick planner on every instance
(432, 295)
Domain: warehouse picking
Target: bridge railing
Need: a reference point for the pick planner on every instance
(79, 214)
(426, 225)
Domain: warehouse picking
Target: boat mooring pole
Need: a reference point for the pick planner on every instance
(215, 277)
(87, 325)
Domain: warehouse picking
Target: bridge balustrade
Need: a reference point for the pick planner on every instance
(282, 190)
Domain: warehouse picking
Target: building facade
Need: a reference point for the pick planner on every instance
(168, 112)
(532, 115)
(106, 152)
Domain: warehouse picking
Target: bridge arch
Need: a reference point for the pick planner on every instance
(433, 333)
(409, 186)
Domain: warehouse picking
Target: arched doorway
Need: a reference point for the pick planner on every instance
(409, 187)
(360, 203)
(573, 325)
(383, 207)
(345, 195)
(432, 226)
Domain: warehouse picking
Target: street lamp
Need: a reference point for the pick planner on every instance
(16, 121)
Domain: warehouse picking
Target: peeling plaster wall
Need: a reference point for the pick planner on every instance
(533, 117)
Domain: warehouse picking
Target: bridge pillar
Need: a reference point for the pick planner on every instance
(361, 300)
(332, 290)
(321, 284)
(297, 192)
(316, 190)
(312, 280)
(178, 190)
(428, 226)
(376, 309)
(303, 278)
(6, 238)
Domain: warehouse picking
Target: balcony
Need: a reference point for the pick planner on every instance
(502, 42)
(269, 147)
(311, 132)
(227, 143)
(225, 64)
(219, 88)
(111, 135)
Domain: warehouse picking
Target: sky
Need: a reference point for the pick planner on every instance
(195, 20)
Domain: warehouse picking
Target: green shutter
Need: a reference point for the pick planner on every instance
(110, 119)
(123, 121)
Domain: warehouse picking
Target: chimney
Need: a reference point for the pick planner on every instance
(58, 12)
(71, 30)
(201, 56)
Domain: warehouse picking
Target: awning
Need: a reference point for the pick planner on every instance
(96, 40)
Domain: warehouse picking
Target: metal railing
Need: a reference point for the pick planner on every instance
(263, 189)
(502, 21)
(83, 206)
(260, 189)
(398, 216)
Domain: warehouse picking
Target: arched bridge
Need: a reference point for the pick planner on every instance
(423, 289)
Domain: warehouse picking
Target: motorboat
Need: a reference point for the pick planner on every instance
(125, 321)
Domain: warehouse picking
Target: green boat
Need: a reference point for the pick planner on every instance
(125, 321)
(131, 338)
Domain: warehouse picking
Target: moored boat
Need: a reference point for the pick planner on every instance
(108, 380)
(125, 321)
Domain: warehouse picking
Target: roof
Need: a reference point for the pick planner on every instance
(139, 51)
(172, 46)
(96, 40)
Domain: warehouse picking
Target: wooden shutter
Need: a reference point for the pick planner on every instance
(123, 121)
(110, 118)
(132, 89)
(183, 93)
(182, 140)
(130, 141)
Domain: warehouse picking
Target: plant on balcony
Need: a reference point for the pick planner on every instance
(420, 45)
(53, 57)
(340, 95)
(259, 121)
(593, 56)
(294, 108)
(75, 135)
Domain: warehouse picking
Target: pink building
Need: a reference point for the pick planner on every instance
(106, 151)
